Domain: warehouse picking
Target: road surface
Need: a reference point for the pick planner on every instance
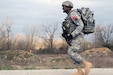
(94, 71)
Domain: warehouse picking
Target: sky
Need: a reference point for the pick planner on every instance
(39, 12)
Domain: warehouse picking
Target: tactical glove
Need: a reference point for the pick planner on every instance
(69, 36)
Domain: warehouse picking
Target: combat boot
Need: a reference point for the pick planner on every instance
(87, 65)
(79, 72)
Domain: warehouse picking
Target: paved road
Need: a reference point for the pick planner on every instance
(94, 71)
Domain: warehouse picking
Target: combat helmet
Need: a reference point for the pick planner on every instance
(67, 3)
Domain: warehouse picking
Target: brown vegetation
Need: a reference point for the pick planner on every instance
(100, 57)
(19, 59)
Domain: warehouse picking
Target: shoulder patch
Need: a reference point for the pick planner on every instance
(73, 18)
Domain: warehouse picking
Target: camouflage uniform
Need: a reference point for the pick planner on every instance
(74, 26)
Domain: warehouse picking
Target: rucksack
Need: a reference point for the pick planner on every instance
(88, 20)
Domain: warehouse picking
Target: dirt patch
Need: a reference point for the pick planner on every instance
(96, 52)
(20, 59)
(100, 57)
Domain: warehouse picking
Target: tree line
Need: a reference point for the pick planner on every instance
(102, 37)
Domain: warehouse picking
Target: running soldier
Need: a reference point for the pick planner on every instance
(72, 32)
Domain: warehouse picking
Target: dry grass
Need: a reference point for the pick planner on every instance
(26, 60)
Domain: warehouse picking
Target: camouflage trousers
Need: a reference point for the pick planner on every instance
(73, 50)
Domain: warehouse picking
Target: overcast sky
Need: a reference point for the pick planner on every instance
(38, 12)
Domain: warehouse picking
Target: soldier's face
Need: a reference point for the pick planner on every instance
(64, 8)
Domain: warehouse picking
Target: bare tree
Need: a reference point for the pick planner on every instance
(31, 33)
(8, 25)
(2, 36)
(103, 35)
(48, 35)
(5, 33)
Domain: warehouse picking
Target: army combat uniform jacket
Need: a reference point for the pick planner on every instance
(74, 24)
